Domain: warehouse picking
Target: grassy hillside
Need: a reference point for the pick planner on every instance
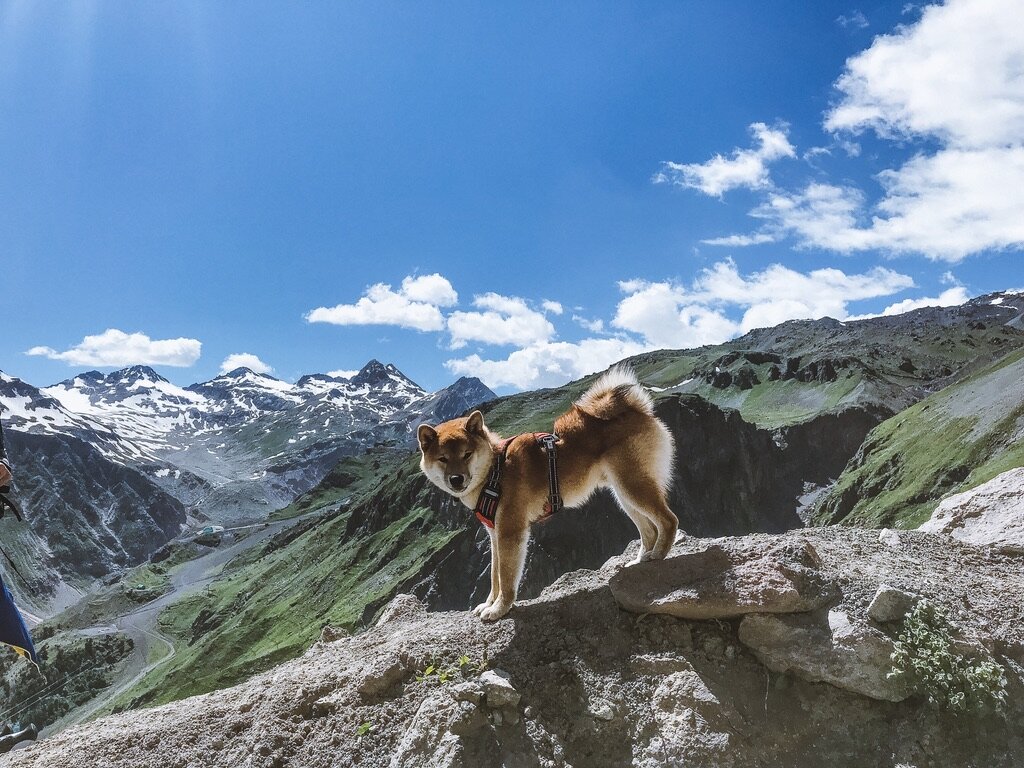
(793, 372)
(271, 603)
(952, 441)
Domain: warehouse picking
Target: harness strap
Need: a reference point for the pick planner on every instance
(554, 502)
(487, 504)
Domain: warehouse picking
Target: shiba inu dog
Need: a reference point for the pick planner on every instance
(609, 438)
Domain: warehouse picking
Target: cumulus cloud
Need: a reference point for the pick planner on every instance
(115, 348)
(552, 306)
(504, 320)
(744, 168)
(946, 206)
(430, 289)
(244, 360)
(665, 315)
(547, 364)
(954, 75)
(949, 85)
(948, 298)
(719, 304)
(670, 315)
(415, 305)
(342, 374)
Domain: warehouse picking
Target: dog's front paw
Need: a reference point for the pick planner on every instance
(494, 612)
(482, 607)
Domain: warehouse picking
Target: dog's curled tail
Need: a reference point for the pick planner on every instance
(615, 393)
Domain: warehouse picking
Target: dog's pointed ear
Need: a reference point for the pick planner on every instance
(475, 423)
(427, 436)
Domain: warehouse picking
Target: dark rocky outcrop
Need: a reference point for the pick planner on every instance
(94, 515)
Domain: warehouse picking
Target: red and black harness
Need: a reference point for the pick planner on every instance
(487, 505)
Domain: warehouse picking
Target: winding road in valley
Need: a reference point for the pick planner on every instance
(141, 624)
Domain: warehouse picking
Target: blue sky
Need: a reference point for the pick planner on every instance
(187, 182)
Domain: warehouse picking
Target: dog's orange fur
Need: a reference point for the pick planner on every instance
(609, 438)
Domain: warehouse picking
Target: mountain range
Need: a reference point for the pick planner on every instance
(228, 450)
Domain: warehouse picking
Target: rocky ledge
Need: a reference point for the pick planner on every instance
(747, 651)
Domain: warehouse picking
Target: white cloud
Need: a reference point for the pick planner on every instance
(430, 289)
(951, 85)
(342, 374)
(547, 364)
(415, 305)
(505, 320)
(552, 306)
(745, 168)
(114, 348)
(946, 206)
(948, 278)
(740, 241)
(669, 315)
(954, 75)
(244, 360)
(666, 316)
(949, 298)
(595, 325)
(856, 19)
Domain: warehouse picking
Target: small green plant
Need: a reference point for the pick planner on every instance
(363, 729)
(925, 656)
(465, 669)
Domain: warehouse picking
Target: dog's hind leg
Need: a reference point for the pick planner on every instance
(494, 576)
(510, 540)
(648, 531)
(647, 498)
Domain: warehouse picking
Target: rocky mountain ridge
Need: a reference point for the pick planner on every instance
(232, 449)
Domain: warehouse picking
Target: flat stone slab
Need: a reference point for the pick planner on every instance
(724, 581)
(849, 655)
(990, 515)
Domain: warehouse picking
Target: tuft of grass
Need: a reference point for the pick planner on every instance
(925, 656)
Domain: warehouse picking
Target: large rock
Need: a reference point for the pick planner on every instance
(848, 655)
(991, 514)
(694, 727)
(720, 582)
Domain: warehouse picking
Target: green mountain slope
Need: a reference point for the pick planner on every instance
(951, 441)
(270, 604)
(797, 370)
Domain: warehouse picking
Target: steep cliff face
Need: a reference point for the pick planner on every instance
(954, 440)
(87, 515)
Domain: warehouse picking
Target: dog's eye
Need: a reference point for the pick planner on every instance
(467, 455)
(443, 459)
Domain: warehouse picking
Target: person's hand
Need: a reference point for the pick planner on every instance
(5, 475)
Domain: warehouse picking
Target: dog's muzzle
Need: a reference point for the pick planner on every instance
(457, 482)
